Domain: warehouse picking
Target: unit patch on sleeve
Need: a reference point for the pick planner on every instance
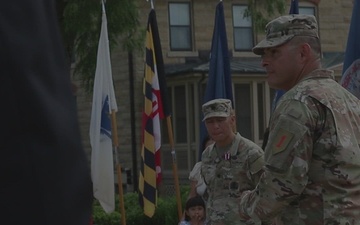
(281, 140)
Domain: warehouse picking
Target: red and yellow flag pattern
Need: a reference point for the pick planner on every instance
(155, 109)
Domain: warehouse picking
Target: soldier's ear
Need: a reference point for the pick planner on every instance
(305, 50)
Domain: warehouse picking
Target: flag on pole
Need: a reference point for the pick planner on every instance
(102, 168)
(219, 83)
(351, 68)
(155, 109)
(294, 9)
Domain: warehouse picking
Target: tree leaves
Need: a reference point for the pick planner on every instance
(80, 21)
(262, 11)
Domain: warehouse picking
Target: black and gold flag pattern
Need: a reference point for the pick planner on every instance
(155, 108)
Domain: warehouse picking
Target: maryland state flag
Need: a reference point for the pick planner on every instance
(155, 108)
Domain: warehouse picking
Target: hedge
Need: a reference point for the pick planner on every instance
(166, 212)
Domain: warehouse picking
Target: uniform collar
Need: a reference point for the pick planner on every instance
(320, 73)
(233, 148)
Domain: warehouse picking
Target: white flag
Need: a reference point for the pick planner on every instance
(102, 168)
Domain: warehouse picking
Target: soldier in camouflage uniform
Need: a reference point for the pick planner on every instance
(229, 166)
(312, 159)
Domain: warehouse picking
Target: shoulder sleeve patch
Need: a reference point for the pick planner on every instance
(257, 165)
(281, 140)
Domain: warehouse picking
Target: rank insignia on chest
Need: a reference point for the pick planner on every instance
(227, 156)
(281, 140)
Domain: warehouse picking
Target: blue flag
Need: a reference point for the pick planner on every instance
(219, 83)
(351, 68)
(294, 9)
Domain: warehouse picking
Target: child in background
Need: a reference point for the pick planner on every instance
(194, 212)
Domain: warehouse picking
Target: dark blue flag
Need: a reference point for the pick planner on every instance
(351, 68)
(294, 9)
(219, 83)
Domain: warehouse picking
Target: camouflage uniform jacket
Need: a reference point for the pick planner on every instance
(312, 160)
(226, 176)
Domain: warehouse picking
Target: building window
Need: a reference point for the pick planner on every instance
(243, 33)
(252, 100)
(181, 102)
(261, 96)
(307, 10)
(180, 27)
(243, 112)
(250, 109)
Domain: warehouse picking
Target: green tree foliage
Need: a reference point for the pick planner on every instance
(261, 11)
(80, 22)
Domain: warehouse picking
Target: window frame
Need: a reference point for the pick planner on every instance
(189, 26)
(249, 29)
(308, 7)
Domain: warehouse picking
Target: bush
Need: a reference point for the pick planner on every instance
(166, 212)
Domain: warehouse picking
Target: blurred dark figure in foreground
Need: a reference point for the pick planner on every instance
(44, 172)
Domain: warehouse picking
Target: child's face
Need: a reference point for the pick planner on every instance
(196, 213)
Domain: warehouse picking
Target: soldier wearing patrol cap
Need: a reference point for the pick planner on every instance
(229, 166)
(312, 159)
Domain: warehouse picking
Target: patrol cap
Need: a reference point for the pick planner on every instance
(284, 28)
(217, 108)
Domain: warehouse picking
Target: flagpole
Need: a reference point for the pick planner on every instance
(174, 166)
(151, 3)
(118, 166)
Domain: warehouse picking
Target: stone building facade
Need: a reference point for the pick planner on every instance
(186, 65)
